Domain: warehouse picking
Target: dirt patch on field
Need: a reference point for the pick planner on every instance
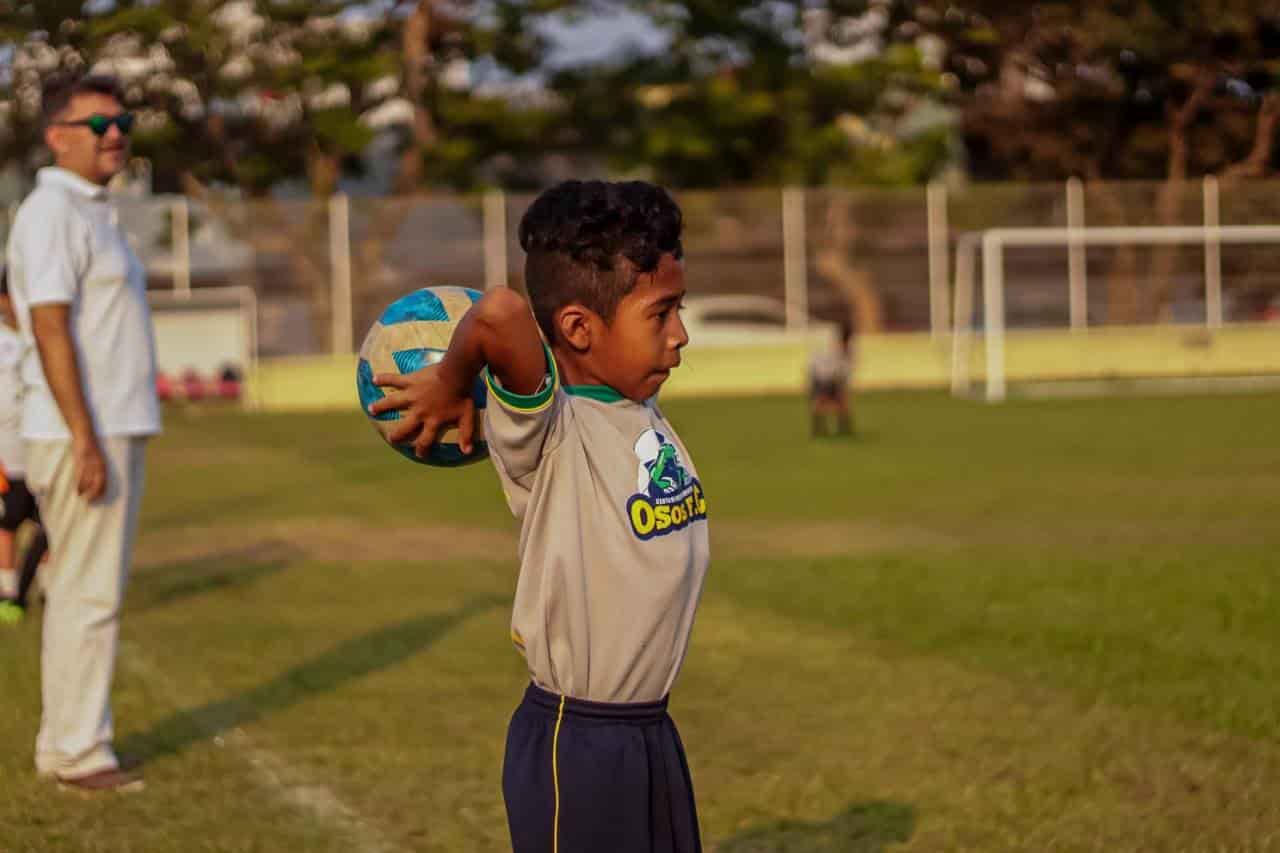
(818, 538)
(330, 540)
(342, 540)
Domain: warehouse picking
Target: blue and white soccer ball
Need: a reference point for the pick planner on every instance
(413, 332)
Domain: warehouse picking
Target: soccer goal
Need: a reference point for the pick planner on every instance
(1079, 358)
(203, 333)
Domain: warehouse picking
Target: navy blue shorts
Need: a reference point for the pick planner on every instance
(591, 777)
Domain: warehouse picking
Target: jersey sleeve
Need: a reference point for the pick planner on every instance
(520, 428)
(50, 243)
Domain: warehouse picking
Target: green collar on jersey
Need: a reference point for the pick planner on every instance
(601, 393)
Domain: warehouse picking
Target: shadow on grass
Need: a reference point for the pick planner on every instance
(860, 828)
(222, 507)
(357, 657)
(162, 585)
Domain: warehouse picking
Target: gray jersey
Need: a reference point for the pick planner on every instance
(613, 539)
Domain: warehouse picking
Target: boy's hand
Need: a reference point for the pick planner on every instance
(428, 405)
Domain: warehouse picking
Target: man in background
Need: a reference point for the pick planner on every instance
(89, 406)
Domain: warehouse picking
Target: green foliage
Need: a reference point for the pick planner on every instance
(741, 95)
(739, 99)
(340, 130)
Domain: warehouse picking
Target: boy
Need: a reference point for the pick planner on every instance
(829, 374)
(613, 541)
(17, 504)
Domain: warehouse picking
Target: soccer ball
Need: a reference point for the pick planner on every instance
(413, 332)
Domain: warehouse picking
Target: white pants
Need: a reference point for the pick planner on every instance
(91, 546)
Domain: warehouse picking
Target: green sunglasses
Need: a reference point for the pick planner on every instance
(100, 124)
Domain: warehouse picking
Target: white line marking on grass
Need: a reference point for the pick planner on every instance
(271, 771)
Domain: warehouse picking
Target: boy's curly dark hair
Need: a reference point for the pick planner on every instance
(587, 242)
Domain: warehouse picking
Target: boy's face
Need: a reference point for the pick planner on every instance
(641, 346)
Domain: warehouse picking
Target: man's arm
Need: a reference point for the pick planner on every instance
(51, 325)
(498, 332)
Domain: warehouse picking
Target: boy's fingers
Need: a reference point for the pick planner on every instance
(404, 429)
(467, 427)
(389, 403)
(425, 439)
(392, 380)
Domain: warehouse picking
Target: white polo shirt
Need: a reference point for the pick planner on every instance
(66, 248)
(11, 452)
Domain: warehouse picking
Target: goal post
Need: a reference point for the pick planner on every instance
(1103, 351)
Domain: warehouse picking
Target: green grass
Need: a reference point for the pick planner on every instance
(1041, 626)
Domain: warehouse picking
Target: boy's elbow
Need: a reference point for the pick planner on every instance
(501, 306)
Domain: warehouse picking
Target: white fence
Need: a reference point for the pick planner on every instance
(322, 269)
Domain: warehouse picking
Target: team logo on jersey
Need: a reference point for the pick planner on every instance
(667, 498)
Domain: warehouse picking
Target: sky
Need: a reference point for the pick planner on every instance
(597, 37)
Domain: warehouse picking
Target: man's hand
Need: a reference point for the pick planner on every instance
(90, 467)
(52, 327)
(428, 405)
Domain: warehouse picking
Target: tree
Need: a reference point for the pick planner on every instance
(226, 90)
(758, 92)
(1154, 89)
(774, 93)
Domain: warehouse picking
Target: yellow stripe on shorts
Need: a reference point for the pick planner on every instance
(555, 778)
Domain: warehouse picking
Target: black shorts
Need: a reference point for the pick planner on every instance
(824, 390)
(18, 505)
(589, 777)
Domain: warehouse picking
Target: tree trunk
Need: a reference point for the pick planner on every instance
(866, 308)
(1258, 162)
(1122, 277)
(418, 60)
(323, 171)
(1164, 258)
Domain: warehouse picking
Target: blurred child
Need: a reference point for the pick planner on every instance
(17, 504)
(613, 542)
(830, 376)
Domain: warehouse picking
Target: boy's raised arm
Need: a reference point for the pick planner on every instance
(499, 332)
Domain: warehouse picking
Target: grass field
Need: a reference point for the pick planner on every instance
(1047, 626)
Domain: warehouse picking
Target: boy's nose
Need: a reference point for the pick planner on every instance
(681, 338)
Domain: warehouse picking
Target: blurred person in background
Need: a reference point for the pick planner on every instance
(830, 378)
(229, 382)
(89, 406)
(17, 504)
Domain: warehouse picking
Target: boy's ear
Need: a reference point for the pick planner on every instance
(574, 323)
